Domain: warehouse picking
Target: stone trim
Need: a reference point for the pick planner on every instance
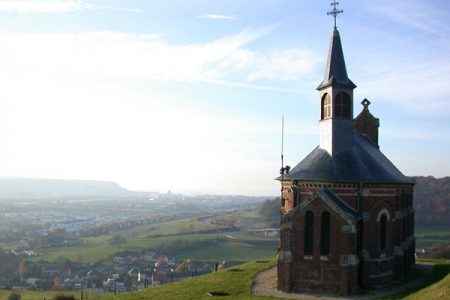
(381, 274)
(392, 187)
(349, 260)
(379, 259)
(366, 216)
(383, 211)
(349, 228)
(365, 255)
(398, 251)
(285, 256)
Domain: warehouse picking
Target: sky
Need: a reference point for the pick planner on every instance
(188, 96)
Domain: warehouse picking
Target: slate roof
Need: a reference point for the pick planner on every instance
(341, 205)
(335, 70)
(364, 162)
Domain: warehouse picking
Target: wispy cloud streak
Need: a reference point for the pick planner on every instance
(218, 17)
(416, 15)
(56, 6)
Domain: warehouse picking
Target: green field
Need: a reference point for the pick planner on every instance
(154, 236)
(231, 251)
(428, 235)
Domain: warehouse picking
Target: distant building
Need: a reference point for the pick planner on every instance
(347, 218)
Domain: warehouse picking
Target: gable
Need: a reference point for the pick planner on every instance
(326, 196)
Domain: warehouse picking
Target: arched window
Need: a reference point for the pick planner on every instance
(342, 105)
(325, 233)
(383, 230)
(309, 232)
(326, 107)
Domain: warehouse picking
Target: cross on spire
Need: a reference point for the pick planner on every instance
(334, 12)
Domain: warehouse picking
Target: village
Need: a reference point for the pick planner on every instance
(30, 236)
(121, 273)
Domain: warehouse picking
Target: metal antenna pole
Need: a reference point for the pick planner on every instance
(282, 155)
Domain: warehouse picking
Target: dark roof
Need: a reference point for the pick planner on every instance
(364, 162)
(335, 71)
(344, 207)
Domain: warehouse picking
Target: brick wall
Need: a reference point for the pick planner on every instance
(347, 266)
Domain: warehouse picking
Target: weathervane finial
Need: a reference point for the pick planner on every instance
(334, 12)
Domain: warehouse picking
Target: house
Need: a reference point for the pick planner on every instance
(148, 256)
(94, 279)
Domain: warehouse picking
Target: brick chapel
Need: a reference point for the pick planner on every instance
(346, 211)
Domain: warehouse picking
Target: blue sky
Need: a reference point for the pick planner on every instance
(188, 95)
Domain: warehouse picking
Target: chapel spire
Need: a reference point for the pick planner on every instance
(335, 70)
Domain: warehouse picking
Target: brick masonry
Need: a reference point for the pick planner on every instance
(355, 257)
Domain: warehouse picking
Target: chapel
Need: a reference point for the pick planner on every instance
(347, 219)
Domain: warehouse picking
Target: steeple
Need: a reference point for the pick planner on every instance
(335, 70)
(336, 98)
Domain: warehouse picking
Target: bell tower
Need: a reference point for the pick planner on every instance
(336, 98)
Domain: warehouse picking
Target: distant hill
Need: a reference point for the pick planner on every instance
(30, 188)
(432, 200)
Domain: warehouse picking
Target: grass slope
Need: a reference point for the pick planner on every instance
(435, 285)
(237, 284)
(438, 290)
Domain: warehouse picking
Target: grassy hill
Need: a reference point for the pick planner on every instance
(435, 285)
(236, 284)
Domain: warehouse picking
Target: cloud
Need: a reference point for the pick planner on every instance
(218, 17)
(405, 77)
(416, 15)
(55, 6)
(287, 64)
(146, 56)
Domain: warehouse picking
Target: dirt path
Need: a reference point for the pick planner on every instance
(265, 282)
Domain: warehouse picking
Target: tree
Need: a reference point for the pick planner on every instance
(270, 209)
(22, 268)
(14, 296)
(182, 267)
